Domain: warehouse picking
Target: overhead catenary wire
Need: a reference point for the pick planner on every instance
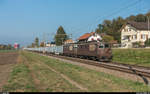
(119, 11)
(102, 17)
(92, 25)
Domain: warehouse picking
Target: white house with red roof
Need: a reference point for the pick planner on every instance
(90, 37)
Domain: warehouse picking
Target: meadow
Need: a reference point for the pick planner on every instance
(36, 73)
(132, 56)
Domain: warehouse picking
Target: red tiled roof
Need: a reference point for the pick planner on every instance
(85, 36)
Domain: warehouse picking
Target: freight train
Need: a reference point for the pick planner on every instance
(93, 50)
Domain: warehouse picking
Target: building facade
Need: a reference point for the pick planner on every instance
(88, 37)
(134, 32)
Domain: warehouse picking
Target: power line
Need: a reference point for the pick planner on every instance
(114, 13)
(120, 10)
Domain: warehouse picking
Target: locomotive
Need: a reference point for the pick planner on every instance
(92, 50)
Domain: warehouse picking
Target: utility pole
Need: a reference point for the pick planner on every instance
(148, 23)
(148, 26)
(44, 38)
(148, 29)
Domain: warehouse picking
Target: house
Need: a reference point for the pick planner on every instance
(69, 41)
(90, 37)
(133, 32)
(51, 44)
(48, 44)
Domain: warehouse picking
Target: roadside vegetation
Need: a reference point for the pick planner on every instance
(41, 73)
(132, 56)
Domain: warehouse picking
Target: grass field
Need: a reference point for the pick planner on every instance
(40, 73)
(132, 56)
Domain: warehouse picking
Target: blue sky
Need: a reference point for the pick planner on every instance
(22, 20)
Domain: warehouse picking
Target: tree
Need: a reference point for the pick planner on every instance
(9, 47)
(107, 38)
(33, 45)
(131, 18)
(148, 14)
(112, 28)
(60, 36)
(98, 31)
(140, 18)
(36, 42)
(147, 42)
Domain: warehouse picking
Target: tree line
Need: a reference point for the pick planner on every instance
(6, 47)
(112, 27)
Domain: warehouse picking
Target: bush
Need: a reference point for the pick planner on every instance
(147, 42)
(108, 38)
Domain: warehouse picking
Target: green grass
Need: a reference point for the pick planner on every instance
(91, 79)
(20, 79)
(132, 56)
(50, 81)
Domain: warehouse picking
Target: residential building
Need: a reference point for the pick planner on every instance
(133, 32)
(90, 37)
(50, 44)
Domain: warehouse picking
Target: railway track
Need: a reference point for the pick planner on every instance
(143, 72)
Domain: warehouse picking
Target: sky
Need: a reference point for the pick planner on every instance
(23, 20)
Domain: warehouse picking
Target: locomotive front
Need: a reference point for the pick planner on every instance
(104, 52)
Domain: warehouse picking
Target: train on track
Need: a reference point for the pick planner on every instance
(93, 50)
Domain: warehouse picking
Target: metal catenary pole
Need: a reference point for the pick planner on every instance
(148, 29)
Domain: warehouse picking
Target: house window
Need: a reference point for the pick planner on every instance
(147, 37)
(92, 39)
(125, 37)
(143, 36)
(134, 37)
(129, 29)
(101, 46)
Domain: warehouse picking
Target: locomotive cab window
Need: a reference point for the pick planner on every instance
(101, 46)
(107, 46)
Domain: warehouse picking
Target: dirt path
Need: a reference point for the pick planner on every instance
(7, 60)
